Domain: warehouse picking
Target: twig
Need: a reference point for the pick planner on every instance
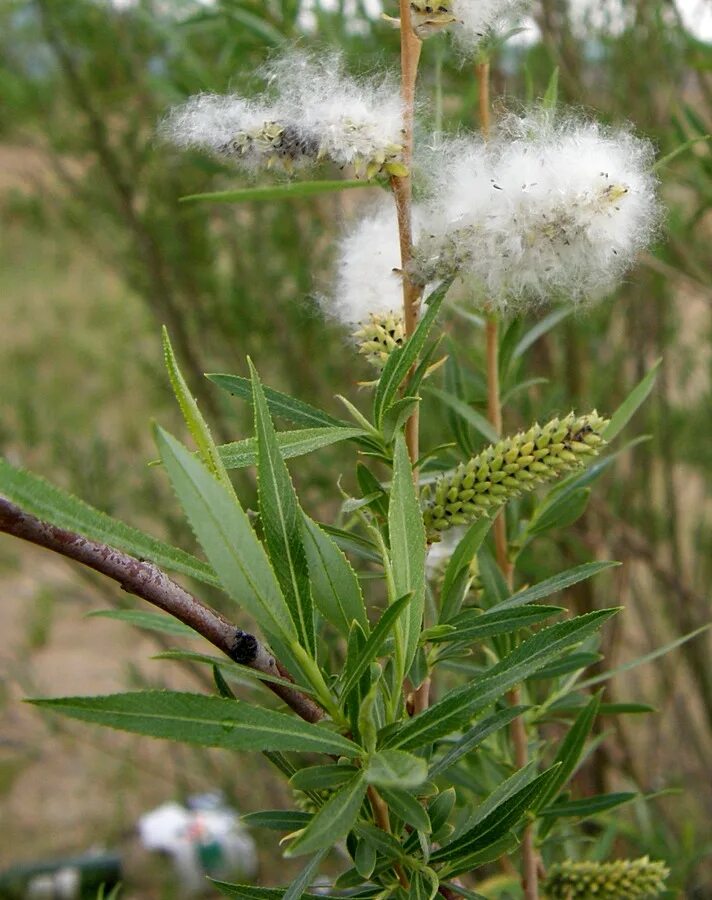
(145, 580)
(382, 818)
(403, 194)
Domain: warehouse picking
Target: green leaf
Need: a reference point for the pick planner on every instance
(291, 444)
(53, 505)
(591, 806)
(397, 415)
(319, 778)
(561, 512)
(407, 539)
(570, 750)
(249, 892)
(454, 387)
(198, 427)
(365, 859)
(473, 627)
(628, 408)
(401, 359)
(641, 660)
(461, 558)
(353, 543)
(296, 411)
(553, 585)
(144, 619)
(474, 737)
(542, 327)
(237, 670)
(277, 819)
(333, 821)
(223, 529)
(396, 769)
(382, 841)
(335, 587)
(497, 823)
(291, 190)
(306, 876)
(551, 95)
(282, 520)
(459, 706)
(374, 643)
(570, 663)
(406, 807)
(504, 790)
(668, 158)
(465, 412)
(206, 721)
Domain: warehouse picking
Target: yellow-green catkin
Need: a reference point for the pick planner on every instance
(510, 467)
(379, 337)
(624, 879)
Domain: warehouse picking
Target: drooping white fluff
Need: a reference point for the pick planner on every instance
(478, 19)
(366, 283)
(355, 122)
(251, 133)
(549, 209)
(471, 21)
(313, 111)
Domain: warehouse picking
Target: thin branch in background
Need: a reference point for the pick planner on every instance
(145, 580)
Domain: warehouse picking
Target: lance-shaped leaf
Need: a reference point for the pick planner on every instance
(298, 442)
(356, 667)
(553, 585)
(570, 750)
(401, 360)
(290, 190)
(456, 709)
(282, 521)
(250, 892)
(396, 769)
(335, 587)
(142, 618)
(53, 505)
(224, 531)
(407, 536)
(474, 737)
(632, 402)
(206, 721)
(333, 821)
(296, 411)
(198, 427)
(497, 823)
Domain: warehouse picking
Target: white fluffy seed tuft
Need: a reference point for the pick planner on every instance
(368, 280)
(549, 209)
(314, 111)
(471, 21)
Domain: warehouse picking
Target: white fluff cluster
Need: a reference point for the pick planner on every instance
(471, 21)
(478, 19)
(314, 111)
(368, 280)
(549, 209)
(356, 123)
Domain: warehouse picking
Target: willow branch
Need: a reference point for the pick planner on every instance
(147, 581)
(403, 194)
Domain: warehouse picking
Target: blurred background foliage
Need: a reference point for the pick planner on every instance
(98, 251)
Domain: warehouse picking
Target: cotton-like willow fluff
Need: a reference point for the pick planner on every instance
(471, 21)
(367, 295)
(510, 467)
(313, 111)
(624, 879)
(551, 208)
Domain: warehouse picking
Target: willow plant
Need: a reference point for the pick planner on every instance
(415, 672)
